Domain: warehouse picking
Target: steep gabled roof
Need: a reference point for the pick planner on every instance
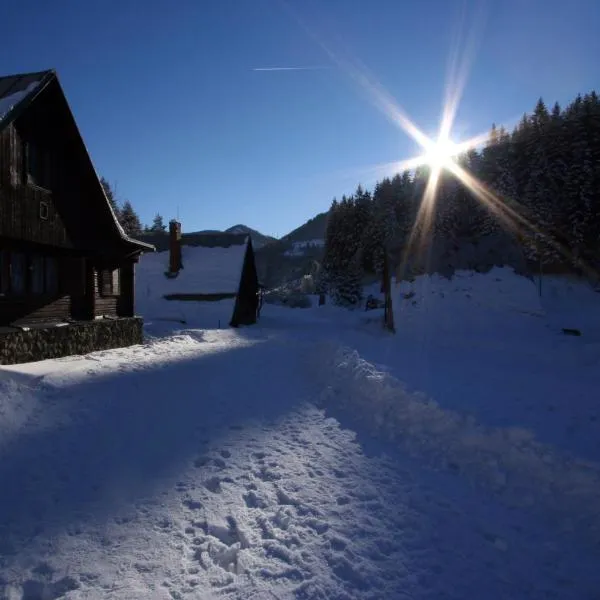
(207, 269)
(17, 92)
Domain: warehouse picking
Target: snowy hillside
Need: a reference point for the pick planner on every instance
(305, 247)
(258, 239)
(315, 455)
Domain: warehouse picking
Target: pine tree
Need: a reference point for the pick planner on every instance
(130, 220)
(348, 289)
(158, 225)
(321, 287)
(581, 213)
(333, 248)
(539, 192)
(383, 224)
(111, 197)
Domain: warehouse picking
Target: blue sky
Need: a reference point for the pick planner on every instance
(172, 111)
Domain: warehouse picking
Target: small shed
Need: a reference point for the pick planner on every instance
(202, 268)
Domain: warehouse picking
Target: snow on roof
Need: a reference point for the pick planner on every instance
(9, 102)
(205, 270)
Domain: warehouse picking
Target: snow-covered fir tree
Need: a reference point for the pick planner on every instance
(158, 225)
(348, 289)
(130, 220)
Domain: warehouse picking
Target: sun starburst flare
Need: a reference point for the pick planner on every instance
(441, 154)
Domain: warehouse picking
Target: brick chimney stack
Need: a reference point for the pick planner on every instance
(175, 264)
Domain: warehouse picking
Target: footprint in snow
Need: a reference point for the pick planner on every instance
(253, 500)
(38, 590)
(213, 485)
(201, 461)
(192, 504)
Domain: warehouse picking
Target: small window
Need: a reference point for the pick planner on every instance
(37, 275)
(116, 282)
(44, 211)
(17, 273)
(109, 283)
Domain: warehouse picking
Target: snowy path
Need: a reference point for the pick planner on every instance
(198, 466)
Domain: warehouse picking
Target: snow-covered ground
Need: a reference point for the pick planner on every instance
(314, 455)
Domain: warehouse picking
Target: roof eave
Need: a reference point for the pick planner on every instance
(142, 246)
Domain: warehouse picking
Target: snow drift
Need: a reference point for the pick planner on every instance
(508, 461)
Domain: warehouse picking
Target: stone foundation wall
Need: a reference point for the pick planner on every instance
(78, 338)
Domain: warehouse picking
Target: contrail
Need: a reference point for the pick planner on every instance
(315, 68)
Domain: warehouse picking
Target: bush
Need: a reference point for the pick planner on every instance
(308, 285)
(288, 298)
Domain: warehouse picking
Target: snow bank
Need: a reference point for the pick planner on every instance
(469, 292)
(572, 303)
(507, 460)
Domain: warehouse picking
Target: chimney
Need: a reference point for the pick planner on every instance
(174, 247)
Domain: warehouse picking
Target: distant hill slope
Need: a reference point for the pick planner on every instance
(208, 237)
(313, 229)
(258, 239)
(294, 255)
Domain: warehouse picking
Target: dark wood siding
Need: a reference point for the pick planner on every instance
(30, 307)
(23, 205)
(31, 310)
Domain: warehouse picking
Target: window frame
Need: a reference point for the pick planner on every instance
(109, 282)
(40, 275)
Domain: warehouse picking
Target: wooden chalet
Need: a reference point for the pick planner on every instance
(66, 265)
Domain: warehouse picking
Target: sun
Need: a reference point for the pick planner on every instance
(440, 154)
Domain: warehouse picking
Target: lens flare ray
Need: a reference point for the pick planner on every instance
(439, 154)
